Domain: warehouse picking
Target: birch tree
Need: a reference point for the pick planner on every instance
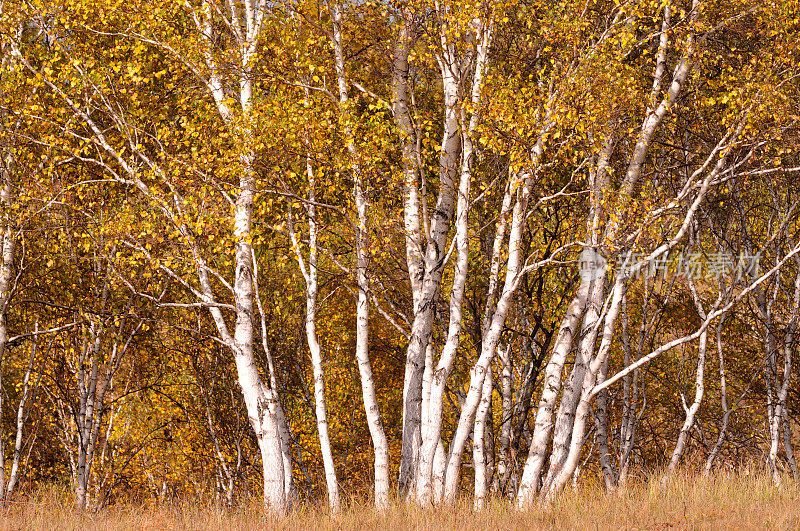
(362, 257)
(126, 161)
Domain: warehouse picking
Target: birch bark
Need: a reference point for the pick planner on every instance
(699, 390)
(478, 443)
(506, 421)
(726, 411)
(244, 30)
(309, 272)
(658, 108)
(6, 270)
(515, 269)
(447, 62)
(433, 260)
(23, 411)
(263, 407)
(362, 259)
(590, 387)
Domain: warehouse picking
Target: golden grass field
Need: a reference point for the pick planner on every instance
(688, 502)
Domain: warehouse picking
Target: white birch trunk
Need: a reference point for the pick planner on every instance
(478, 443)
(491, 337)
(691, 411)
(583, 410)
(263, 407)
(262, 403)
(415, 247)
(601, 426)
(565, 418)
(432, 444)
(362, 305)
(309, 272)
(590, 387)
(439, 471)
(6, 269)
(764, 306)
(507, 416)
(699, 390)
(726, 411)
(433, 265)
(654, 116)
(410, 153)
(22, 415)
(433, 417)
(529, 483)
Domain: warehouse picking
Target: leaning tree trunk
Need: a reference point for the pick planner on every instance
(432, 267)
(726, 411)
(691, 411)
(699, 389)
(543, 423)
(493, 326)
(565, 418)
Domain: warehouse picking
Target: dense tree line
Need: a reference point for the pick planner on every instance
(433, 248)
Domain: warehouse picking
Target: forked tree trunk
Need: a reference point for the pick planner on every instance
(493, 325)
(590, 378)
(432, 449)
(432, 269)
(263, 407)
(590, 387)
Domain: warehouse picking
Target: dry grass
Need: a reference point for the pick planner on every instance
(689, 502)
